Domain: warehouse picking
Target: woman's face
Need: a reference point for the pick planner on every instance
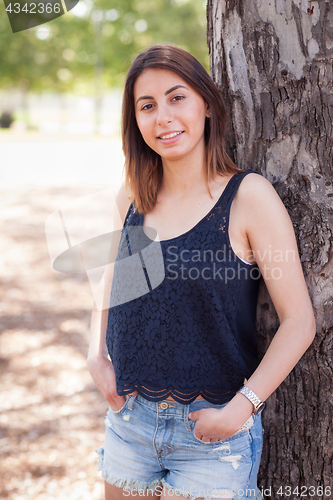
(170, 114)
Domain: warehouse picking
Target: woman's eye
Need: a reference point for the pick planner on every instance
(146, 106)
(178, 97)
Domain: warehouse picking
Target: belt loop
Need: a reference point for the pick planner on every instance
(186, 411)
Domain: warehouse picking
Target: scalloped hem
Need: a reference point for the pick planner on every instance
(122, 482)
(156, 396)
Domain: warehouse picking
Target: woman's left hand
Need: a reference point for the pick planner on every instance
(214, 425)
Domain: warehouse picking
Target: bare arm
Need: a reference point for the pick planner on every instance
(99, 365)
(273, 243)
(269, 226)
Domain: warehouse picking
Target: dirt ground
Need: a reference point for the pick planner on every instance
(51, 414)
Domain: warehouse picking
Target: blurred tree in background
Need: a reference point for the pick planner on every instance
(92, 46)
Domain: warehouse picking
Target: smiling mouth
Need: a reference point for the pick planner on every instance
(170, 136)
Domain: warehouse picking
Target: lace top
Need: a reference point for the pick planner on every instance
(181, 321)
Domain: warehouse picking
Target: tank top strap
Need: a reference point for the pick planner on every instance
(133, 217)
(233, 186)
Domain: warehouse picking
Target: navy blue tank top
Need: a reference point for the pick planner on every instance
(182, 312)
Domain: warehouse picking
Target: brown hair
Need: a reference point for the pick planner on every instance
(143, 167)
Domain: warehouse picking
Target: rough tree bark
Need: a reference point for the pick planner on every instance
(273, 60)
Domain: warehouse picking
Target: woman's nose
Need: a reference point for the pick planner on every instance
(164, 115)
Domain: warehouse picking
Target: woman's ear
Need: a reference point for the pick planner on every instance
(208, 112)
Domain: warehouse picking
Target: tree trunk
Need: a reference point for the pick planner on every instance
(273, 60)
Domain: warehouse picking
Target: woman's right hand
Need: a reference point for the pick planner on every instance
(102, 373)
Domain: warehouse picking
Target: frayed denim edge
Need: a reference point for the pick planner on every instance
(135, 484)
(122, 482)
(193, 497)
(184, 493)
(100, 453)
(178, 491)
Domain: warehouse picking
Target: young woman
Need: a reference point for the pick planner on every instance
(184, 384)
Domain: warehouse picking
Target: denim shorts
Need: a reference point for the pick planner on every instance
(150, 445)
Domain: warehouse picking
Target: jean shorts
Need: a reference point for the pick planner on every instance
(150, 445)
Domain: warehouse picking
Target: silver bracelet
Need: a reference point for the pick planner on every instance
(258, 405)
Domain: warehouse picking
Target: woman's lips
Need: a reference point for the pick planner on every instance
(170, 137)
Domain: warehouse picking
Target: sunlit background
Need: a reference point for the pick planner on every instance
(62, 81)
(60, 97)
(66, 75)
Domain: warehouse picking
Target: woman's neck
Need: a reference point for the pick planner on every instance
(182, 177)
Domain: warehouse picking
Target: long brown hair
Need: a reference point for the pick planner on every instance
(143, 167)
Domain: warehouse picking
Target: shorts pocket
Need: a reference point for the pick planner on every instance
(191, 424)
(207, 442)
(122, 409)
(244, 429)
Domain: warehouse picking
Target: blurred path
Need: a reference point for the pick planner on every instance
(51, 415)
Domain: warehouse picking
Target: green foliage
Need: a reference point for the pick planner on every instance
(79, 48)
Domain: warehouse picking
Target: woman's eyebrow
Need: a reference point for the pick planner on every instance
(143, 97)
(175, 88)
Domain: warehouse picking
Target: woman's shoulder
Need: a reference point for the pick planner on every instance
(260, 204)
(253, 177)
(257, 189)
